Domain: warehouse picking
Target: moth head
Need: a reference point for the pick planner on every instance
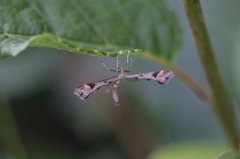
(164, 76)
(83, 91)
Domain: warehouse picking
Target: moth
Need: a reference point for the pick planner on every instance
(85, 90)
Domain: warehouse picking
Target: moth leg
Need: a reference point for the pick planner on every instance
(104, 65)
(117, 63)
(129, 63)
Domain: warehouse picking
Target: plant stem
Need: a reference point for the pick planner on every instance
(221, 99)
(9, 134)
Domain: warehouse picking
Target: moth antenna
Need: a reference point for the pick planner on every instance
(104, 65)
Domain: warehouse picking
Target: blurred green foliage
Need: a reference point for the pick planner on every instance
(189, 151)
(160, 122)
(229, 155)
(107, 27)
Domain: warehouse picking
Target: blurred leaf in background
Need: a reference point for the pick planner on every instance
(188, 151)
(229, 155)
(107, 27)
(236, 65)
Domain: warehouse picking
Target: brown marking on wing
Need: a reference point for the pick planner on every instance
(91, 85)
(155, 74)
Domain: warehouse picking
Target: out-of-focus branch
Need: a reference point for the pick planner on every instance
(221, 99)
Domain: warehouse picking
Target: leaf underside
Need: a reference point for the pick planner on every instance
(102, 28)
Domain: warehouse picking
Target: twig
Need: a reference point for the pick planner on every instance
(222, 101)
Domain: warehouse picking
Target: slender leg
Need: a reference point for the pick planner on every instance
(128, 58)
(128, 66)
(117, 63)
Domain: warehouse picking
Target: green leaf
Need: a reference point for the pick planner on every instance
(106, 27)
(188, 151)
(230, 155)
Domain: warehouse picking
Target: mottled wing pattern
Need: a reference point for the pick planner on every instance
(162, 77)
(83, 92)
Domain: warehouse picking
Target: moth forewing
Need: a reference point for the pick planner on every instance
(140, 76)
(85, 90)
(163, 76)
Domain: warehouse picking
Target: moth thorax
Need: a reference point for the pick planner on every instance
(121, 72)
